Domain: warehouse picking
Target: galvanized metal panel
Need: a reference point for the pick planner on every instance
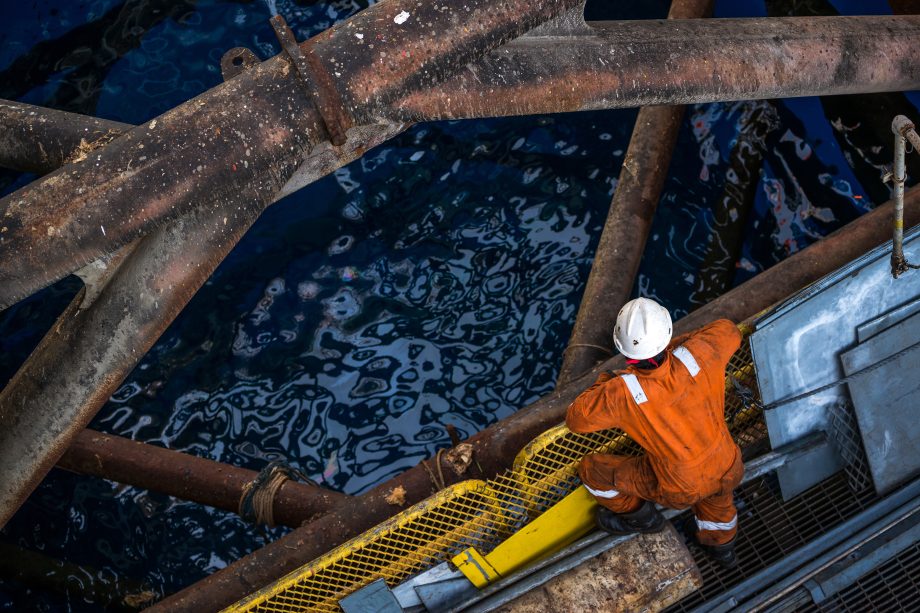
(442, 579)
(795, 478)
(887, 401)
(882, 322)
(796, 349)
(375, 597)
(441, 596)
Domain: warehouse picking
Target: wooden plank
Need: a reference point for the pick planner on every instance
(646, 573)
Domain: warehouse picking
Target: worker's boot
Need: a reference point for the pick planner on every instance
(646, 519)
(723, 555)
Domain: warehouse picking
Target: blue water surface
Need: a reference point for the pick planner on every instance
(433, 282)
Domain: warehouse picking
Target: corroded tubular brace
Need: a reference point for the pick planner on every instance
(54, 226)
(495, 447)
(188, 477)
(39, 140)
(92, 347)
(244, 137)
(241, 157)
(214, 147)
(629, 221)
(633, 63)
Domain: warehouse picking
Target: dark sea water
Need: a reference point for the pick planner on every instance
(435, 281)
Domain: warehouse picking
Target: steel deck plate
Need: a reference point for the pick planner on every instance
(887, 401)
(796, 349)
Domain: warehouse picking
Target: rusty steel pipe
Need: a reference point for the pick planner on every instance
(188, 477)
(39, 140)
(731, 210)
(294, 502)
(160, 173)
(245, 137)
(646, 63)
(83, 359)
(213, 147)
(496, 446)
(740, 58)
(97, 342)
(622, 242)
(270, 136)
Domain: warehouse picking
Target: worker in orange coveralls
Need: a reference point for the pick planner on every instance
(671, 400)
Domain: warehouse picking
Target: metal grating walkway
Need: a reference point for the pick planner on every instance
(893, 586)
(770, 529)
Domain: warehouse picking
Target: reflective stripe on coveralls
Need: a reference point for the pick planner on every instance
(691, 459)
(687, 359)
(682, 354)
(702, 524)
(638, 394)
(602, 493)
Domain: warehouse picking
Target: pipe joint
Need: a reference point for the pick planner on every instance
(318, 82)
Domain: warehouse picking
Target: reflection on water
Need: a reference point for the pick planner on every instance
(431, 283)
(435, 281)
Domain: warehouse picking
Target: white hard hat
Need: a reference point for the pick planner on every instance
(643, 329)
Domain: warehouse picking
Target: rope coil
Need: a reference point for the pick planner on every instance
(437, 481)
(258, 496)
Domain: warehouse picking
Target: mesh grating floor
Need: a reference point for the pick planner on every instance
(893, 586)
(844, 430)
(770, 529)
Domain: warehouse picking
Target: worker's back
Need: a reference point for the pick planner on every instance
(676, 411)
(674, 407)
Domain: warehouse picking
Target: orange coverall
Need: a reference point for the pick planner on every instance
(676, 412)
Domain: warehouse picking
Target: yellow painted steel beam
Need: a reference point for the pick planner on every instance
(563, 524)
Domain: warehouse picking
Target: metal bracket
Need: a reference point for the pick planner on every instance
(235, 61)
(374, 597)
(814, 589)
(318, 81)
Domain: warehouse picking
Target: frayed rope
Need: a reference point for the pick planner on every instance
(257, 500)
